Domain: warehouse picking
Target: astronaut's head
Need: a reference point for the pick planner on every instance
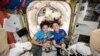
(56, 25)
(45, 26)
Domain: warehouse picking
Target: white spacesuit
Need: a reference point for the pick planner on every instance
(20, 48)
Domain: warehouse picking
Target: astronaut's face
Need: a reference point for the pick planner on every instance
(56, 27)
(45, 28)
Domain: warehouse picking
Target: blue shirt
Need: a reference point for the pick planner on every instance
(40, 35)
(59, 36)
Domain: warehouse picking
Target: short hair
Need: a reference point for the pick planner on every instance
(45, 22)
(55, 21)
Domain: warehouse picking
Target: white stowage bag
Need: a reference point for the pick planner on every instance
(56, 15)
(20, 48)
(48, 12)
(83, 49)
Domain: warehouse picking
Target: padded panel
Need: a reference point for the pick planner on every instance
(22, 32)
